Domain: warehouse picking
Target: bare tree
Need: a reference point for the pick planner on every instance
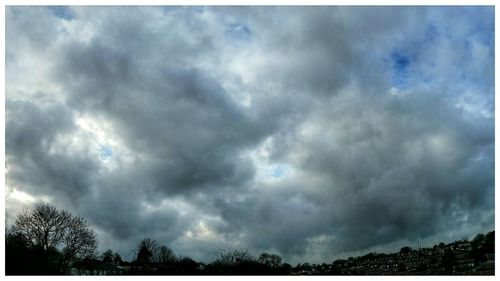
(49, 228)
(234, 257)
(147, 251)
(42, 226)
(79, 239)
(165, 255)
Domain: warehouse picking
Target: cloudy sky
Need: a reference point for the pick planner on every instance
(311, 132)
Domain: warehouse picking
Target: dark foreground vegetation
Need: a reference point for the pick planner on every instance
(48, 241)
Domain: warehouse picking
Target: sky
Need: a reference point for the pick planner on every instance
(314, 133)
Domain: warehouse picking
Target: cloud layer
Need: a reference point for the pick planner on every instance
(311, 132)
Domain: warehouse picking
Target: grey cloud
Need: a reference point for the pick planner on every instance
(180, 119)
(31, 132)
(322, 50)
(370, 165)
(415, 189)
(384, 178)
(125, 218)
(272, 221)
(25, 35)
(34, 128)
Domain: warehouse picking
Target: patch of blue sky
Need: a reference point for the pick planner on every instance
(400, 61)
(401, 73)
(62, 12)
(476, 30)
(238, 32)
(466, 22)
(278, 171)
(106, 152)
(461, 27)
(431, 32)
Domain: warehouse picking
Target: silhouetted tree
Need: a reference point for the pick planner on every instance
(17, 250)
(167, 261)
(489, 242)
(146, 250)
(107, 256)
(165, 255)
(117, 259)
(44, 226)
(234, 257)
(79, 240)
(286, 269)
(45, 231)
(187, 265)
(477, 248)
(270, 260)
(306, 266)
(234, 262)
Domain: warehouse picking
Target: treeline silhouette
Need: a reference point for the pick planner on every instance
(48, 241)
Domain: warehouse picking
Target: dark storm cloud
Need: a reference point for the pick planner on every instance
(121, 211)
(273, 220)
(34, 128)
(358, 162)
(178, 118)
(407, 166)
(400, 168)
(31, 133)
